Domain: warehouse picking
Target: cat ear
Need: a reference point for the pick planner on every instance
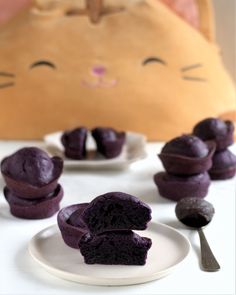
(198, 13)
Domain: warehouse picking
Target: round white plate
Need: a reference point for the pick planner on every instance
(169, 249)
(133, 150)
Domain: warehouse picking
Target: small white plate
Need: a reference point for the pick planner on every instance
(134, 149)
(169, 249)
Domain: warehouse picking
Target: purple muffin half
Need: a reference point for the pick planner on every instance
(187, 155)
(176, 188)
(34, 208)
(116, 211)
(71, 233)
(109, 142)
(117, 247)
(74, 142)
(31, 173)
(224, 165)
(221, 132)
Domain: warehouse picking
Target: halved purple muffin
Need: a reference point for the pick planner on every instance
(34, 208)
(71, 231)
(224, 165)
(175, 187)
(31, 173)
(116, 247)
(116, 211)
(109, 141)
(221, 132)
(187, 155)
(74, 142)
(194, 211)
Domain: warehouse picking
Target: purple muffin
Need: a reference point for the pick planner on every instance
(109, 142)
(224, 165)
(74, 142)
(187, 155)
(34, 208)
(71, 231)
(31, 173)
(194, 212)
(116, 211)
(175, 187)
(221, 132)
(116, 247)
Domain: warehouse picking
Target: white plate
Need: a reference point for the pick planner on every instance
(169, 249)
(133, 150)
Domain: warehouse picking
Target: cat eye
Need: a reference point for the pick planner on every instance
(41, 63)
(153, 59)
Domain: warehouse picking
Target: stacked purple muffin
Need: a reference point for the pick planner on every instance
(186, 160)
(32, 188)
(221, 132)
(103, 229)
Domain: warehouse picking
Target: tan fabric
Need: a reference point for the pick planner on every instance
(153, 99)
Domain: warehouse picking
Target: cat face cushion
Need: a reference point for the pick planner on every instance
(133, 66)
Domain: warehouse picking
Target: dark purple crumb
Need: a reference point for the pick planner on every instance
(215, 129)
(224, 165)
(117, 247)
(186, 145)
(194, 212)
(116, 211)
(34, 209)
(33, 166)
(176, 188)
(74, 142)
(109, 142)
(71, 234)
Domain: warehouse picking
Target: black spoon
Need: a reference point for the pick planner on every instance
(197, 213)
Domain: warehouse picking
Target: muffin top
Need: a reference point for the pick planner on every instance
(211, 128)
(186, 145)
(74, 138)
(31, 165)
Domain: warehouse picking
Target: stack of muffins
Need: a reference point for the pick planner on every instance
(186, 160)
(221, 132)
(32, 188)
(103, 229)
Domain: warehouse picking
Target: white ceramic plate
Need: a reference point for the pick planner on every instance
(169, 249)
(133, 150)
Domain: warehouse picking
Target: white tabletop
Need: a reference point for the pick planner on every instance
(19, 274)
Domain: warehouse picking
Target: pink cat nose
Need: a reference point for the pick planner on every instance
(98, 70)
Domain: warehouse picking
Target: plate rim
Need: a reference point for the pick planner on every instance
(98, 281)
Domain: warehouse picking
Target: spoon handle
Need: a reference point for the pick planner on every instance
(209, 262)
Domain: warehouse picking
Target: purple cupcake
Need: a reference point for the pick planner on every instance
(221, 132)
(44, 207)
(224, 165)
(74, 142)
(187, 155)
(175, 187)
(116, 247)
(109, 142)
(116, 211)
(31, 173)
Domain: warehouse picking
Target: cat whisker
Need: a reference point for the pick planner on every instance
(191, 67)
(197, 79)
(5, 74)
(5, 85)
